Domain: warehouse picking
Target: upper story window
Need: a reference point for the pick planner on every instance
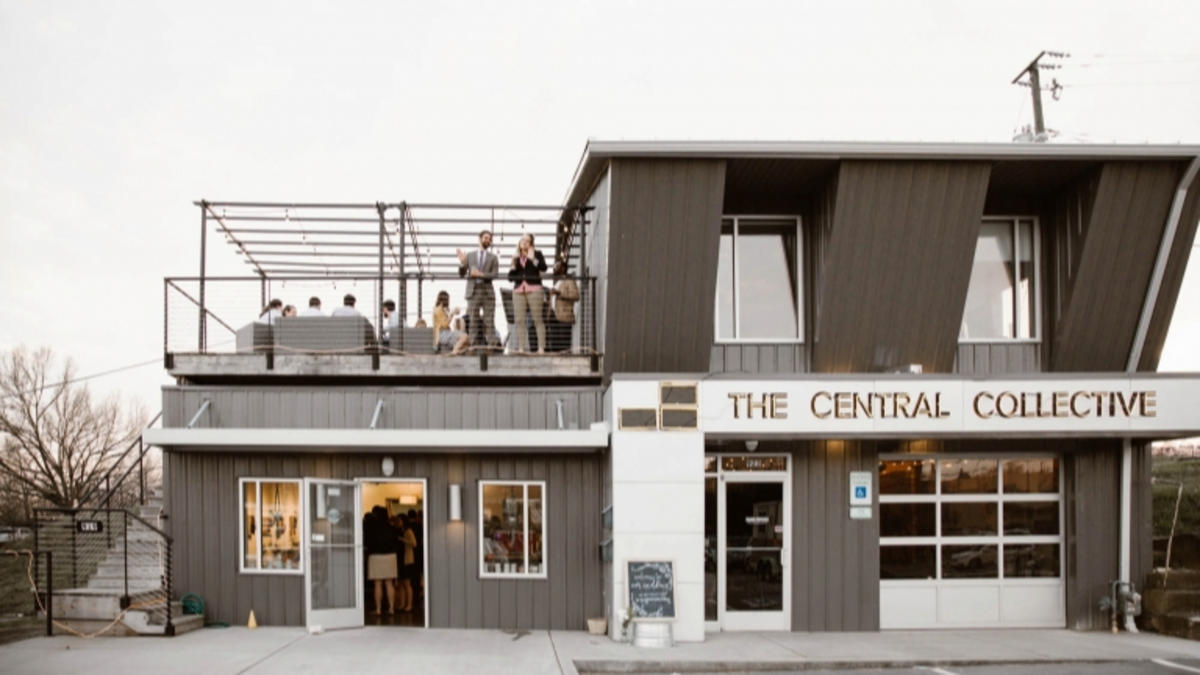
(759, 273)
(1002, 298)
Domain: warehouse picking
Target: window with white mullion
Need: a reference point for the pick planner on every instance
(759, 280)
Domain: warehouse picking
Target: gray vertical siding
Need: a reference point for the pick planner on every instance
(835, 560)
(1092, 472)
(664, 229)
(404, 408)
(895, 269)
(758, 358)
(1122, 235)
(997, 358)
(597, 254)
(202, 508)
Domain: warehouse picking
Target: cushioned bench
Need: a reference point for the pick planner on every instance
(353, 334)
(417, 340)
(253, 337)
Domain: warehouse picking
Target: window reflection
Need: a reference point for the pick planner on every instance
(1030, 518)
(1000, 295)
(725, 283)
(969, 476)
(968, 519)
(1031, 560)
(758, 279)
(1031, 475)
(906, 477)
(906, 562)
(906, 520)
(969, 562)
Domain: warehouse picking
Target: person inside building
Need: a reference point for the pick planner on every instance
(416, 520)
(408, 549)
(528, 295)
(561, 319)
(314, 307)
(380, 541)
(480, 267)
(347, 308)
(272, 312)
(445, 338)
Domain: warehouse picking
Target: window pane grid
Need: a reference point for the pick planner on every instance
(975, 543)
(276, 521)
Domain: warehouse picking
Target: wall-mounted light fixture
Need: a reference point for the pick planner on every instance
(388, 466)
(455, 502)
(751, 445)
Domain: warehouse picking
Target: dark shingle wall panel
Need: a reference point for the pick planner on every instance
(895, 268)
(664, 233)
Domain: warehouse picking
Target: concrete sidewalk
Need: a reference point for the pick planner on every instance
(382, 649)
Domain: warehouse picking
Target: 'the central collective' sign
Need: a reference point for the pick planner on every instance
(951, 406)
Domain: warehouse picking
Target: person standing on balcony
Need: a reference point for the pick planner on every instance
(480, 267)
(562, 319)
(314, 307)
(528, 294)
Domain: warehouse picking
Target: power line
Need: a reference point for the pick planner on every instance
(82, 379)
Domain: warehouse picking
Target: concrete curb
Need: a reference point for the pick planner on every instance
(597, 666)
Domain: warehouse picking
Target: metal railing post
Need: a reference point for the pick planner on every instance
(107, 512)
(170, 628)
(203, 337)
(125, 598)
(141, 473)
(74, 550)
(36, 562)
(49, 593)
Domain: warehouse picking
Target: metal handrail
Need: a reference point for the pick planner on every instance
(117, 464)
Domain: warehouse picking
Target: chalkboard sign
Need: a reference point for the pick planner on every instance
(651, 589)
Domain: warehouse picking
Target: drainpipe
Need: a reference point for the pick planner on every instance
(1135, 356)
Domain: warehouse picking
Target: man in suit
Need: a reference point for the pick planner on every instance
(480, 267)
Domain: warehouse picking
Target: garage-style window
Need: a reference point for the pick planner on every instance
(759, 276)
(969, 518)
(270, 525)
(513, 528)
(1002, 295)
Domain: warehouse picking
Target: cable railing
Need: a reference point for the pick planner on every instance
(398, 317)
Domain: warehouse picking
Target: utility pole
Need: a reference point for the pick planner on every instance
(1035, 84)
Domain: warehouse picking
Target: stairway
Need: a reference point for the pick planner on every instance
(1171, 604)
(130, 546)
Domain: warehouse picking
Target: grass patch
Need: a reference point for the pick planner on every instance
(1187, 470)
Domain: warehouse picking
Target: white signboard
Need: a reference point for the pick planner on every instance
(860, 488)
(937, 406)
(860, 513)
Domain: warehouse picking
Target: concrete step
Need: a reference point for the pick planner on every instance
(1174, 579)
(117, 569)
(118, 584)
(1159, 601)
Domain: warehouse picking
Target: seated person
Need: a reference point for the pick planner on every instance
(272, 312)
(391, 321)
(445, 338)
(347, 308)
(314, 307)
(289, 311)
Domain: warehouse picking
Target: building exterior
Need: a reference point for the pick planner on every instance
(838, 386)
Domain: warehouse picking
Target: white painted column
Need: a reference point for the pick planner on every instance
(658, 509)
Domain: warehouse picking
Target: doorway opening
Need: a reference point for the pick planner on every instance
(394, 558)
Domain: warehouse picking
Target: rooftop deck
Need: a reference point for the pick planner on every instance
(388, 263)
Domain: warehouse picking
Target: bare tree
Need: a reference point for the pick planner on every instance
(57, 442)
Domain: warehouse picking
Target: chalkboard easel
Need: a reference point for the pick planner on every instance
(651, 585)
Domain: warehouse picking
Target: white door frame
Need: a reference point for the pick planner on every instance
(731, 621)
(329, 619)
(424, 526)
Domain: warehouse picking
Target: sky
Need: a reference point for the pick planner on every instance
(115, 116)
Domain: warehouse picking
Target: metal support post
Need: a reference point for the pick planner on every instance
(49, 593)
(203, 337)
(125, 598)
(74, 552)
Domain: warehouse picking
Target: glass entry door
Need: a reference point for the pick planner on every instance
(753, 529)
(333, 553)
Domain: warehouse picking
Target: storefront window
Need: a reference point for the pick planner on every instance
(1001, 294)
(513, 529)
(270, 525)
(961, 517)
(758, 279)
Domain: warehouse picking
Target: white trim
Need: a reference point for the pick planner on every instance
(500, 440)
(258, 505)
(544, 574)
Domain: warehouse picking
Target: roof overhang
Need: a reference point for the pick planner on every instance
(527, 441)
(597, 152)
